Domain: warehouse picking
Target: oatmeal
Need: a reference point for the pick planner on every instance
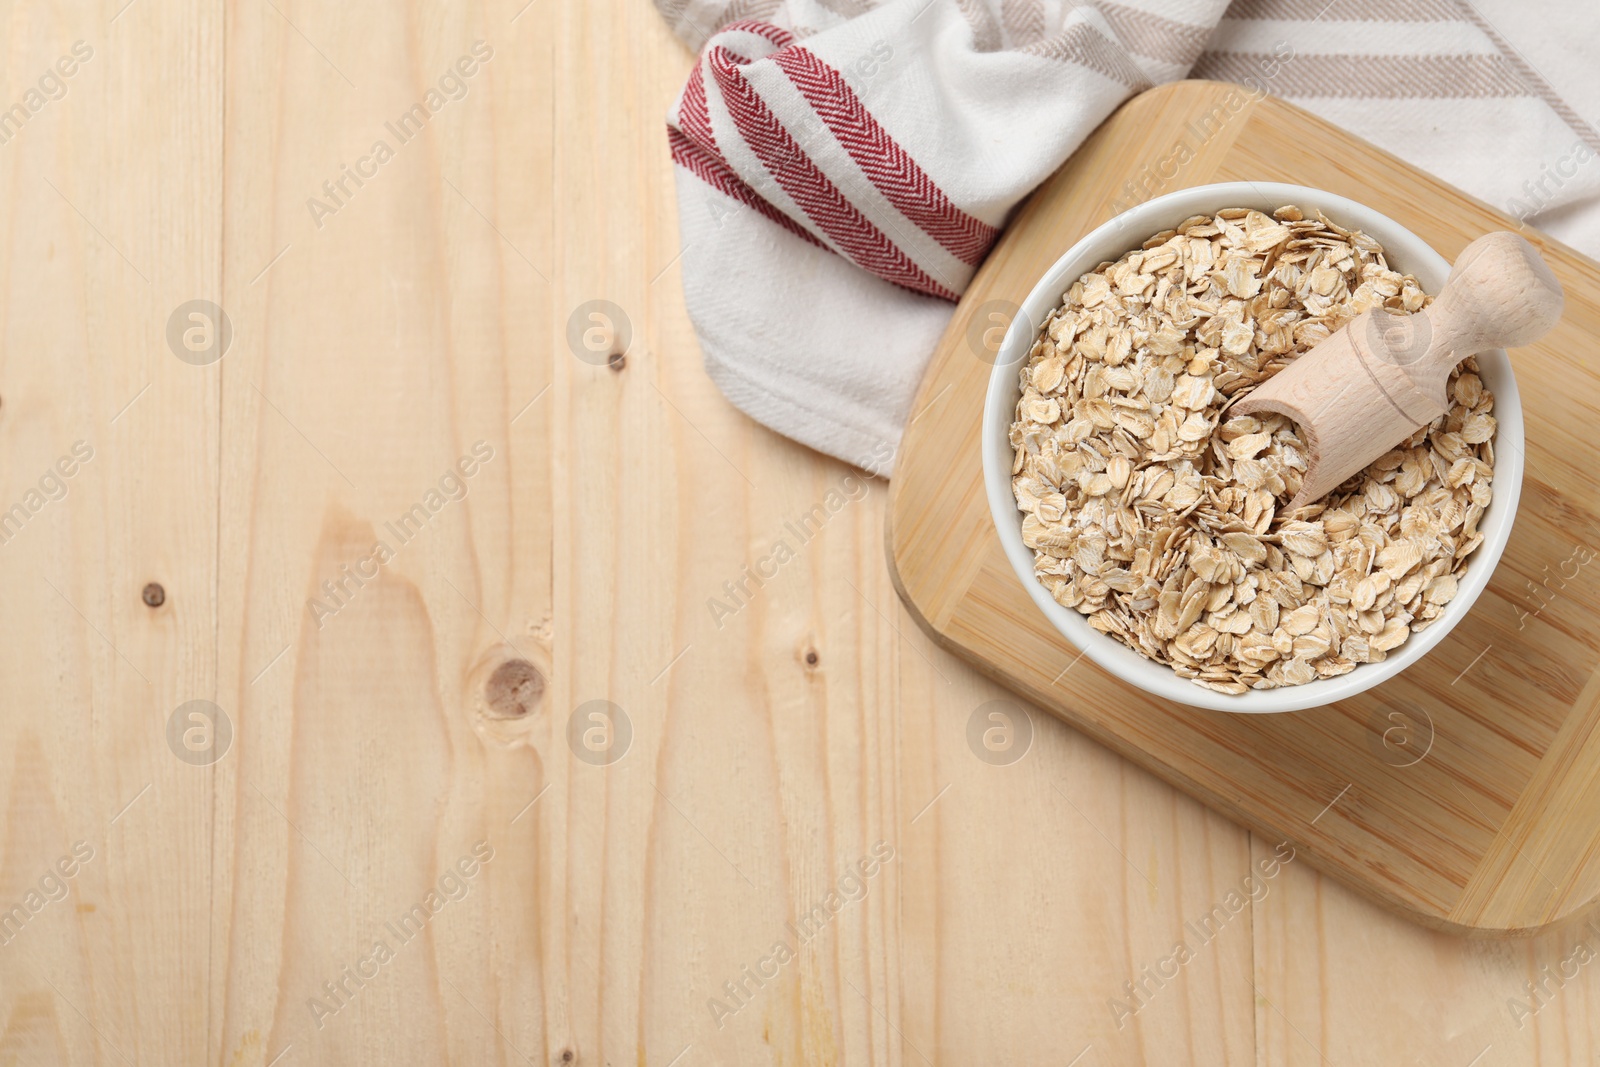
(1161, 518)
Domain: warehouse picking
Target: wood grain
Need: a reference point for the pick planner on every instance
(370, 753)
(1490, 828)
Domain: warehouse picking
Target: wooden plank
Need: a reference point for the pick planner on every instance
(112, 195)
(1338, 980)
(386, 511)
(1491, 832)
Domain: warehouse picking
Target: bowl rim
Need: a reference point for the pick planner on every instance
(1405, 251)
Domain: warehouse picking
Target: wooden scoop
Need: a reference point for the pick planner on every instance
(1375, 382)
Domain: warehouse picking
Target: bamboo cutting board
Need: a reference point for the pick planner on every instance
(1464, 794)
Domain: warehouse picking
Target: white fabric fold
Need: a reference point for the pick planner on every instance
(844, 166)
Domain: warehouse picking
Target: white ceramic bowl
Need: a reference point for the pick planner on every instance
(1406, 253)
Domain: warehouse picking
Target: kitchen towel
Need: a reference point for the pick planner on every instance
(843, 166)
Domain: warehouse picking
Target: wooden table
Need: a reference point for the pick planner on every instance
(247, 880)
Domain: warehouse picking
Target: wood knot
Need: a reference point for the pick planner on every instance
(617, 361)
(567, 1055)
(153, 595)
(514, 689)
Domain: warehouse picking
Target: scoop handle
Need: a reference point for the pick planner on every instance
(1500, 294)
